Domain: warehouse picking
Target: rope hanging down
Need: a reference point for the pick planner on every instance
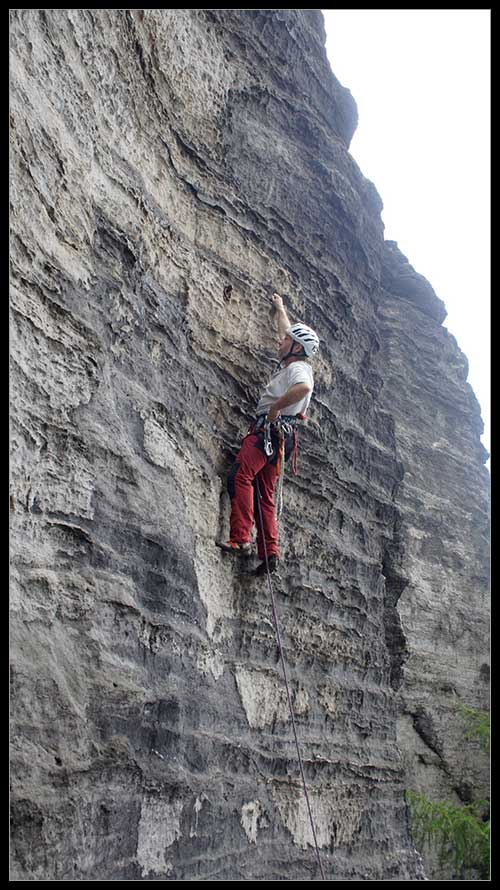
(280, 647)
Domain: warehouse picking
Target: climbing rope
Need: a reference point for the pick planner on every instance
(280, 647)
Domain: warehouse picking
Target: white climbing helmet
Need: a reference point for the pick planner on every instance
(307, 338)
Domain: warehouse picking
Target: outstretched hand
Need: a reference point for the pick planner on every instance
(277, 301)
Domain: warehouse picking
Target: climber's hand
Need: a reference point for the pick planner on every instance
(277, 301)
(273, 414)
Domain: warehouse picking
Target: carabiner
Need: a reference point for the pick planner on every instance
(268, 445)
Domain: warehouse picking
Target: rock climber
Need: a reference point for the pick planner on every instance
(287, 397)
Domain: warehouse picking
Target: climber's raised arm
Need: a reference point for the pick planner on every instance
(282, 319)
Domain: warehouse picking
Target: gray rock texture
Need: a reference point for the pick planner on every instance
(167, 168)
(442, 565)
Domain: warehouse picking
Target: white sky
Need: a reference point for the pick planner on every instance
(421, 81)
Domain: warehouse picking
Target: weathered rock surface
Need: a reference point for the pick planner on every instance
(443, 552)
(159, 157)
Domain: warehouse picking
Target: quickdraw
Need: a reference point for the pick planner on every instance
(280, 469)
(268, 445)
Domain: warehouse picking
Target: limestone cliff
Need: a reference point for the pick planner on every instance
(167, 167)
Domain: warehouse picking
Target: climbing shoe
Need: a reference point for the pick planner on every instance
(272, 563)
(235, 548)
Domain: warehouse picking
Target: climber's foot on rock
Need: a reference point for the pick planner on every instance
(234, 548)
(262, 568)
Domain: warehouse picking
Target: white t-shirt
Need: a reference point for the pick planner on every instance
(280, 383)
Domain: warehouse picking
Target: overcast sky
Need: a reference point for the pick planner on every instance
(421, 81)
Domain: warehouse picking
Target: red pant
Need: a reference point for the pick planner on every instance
(251, 462)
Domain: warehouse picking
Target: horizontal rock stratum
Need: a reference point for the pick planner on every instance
(169, 168)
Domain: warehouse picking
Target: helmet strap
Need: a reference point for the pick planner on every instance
(291, 352)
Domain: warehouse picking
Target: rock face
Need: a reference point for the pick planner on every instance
(168, 167)
(443, 543)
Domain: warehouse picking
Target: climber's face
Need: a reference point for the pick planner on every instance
(285, 346)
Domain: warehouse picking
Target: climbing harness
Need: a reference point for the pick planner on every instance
(280, 647)
(284, 427)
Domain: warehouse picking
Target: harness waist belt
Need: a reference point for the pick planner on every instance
(292, 419)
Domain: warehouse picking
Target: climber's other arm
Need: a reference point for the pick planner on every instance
(292, 395)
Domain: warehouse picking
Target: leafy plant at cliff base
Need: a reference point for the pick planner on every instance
(461, 834)
(457, 831)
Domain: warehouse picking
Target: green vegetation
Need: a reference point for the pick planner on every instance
(460, 834)
(478, 725)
